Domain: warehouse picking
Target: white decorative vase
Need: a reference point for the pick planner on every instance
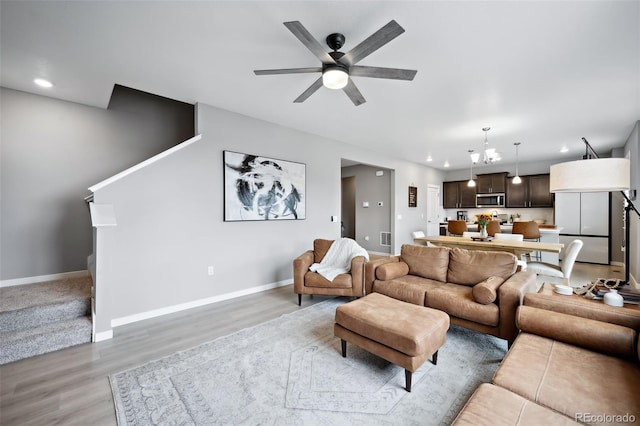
(483, 231)
(612, 298)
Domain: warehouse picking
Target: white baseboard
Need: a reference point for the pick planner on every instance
(116, 322)
(43, 278)
(103, 335)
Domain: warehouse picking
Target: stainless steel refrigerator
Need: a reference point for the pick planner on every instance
(585, 216)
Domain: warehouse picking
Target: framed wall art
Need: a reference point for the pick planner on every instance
(413, 196)
(263, 188)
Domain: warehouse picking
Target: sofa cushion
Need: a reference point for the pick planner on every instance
(491, 405)
(392, 270)
(409, 288)
(320, 249)
(313, 279)
(457, 301)
(569, 379)
(469, 267)
(486, 291)
(426, 262)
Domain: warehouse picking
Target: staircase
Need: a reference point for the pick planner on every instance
(40, 318)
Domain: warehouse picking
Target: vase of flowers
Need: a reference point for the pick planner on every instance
(483, 221)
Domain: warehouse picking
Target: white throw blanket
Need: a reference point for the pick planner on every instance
(338, 258)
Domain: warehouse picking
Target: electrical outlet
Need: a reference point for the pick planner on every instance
(210, 270)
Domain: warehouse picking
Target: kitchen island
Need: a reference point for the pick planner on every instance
(547, 235)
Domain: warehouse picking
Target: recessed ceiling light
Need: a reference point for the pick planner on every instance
(429, 159)
(43, 83)
(564, 149)
(446, 164)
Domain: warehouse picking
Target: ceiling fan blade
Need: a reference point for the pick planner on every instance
(311, 43)
(374, 42)
(353, 93)
(310, 91)
(288, 71)
(377, 72)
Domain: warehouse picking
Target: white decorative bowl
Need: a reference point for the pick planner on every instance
(563, 289)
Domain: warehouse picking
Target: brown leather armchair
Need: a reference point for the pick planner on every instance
(308, 282)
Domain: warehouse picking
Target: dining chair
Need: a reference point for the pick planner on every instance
(530, 232)
(513, 237)
(564, 270)
(456, 227)
(493, 228)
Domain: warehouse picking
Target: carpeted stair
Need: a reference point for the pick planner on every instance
(40, 318)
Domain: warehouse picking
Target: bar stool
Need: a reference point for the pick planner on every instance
(530, 232)
(493, 228)
(456, 227)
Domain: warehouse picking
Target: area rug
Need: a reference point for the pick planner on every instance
(290, 371)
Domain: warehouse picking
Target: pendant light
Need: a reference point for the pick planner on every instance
(489, 154)
(516, 179)
(471, 182)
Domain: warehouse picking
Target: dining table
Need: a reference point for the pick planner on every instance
(519, 248)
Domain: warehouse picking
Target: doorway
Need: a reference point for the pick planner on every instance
(366, 206)
(348, 213)
(433, 202)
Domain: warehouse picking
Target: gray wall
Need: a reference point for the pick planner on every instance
(51, 152)
(372, 220)
(633, 148)
(157, 256)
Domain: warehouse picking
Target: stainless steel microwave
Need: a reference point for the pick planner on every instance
(490, 200)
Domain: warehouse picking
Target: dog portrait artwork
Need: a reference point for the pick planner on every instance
(262, 188)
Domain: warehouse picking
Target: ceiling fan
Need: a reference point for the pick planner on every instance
(338, 67)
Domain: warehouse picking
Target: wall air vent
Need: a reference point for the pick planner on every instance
(385, 239)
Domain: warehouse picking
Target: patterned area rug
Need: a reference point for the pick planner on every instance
(290, 371)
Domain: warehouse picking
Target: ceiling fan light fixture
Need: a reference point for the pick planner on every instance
(335, 78)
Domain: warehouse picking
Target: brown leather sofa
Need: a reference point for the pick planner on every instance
(575, 362)
(480, 290)
(308, 282)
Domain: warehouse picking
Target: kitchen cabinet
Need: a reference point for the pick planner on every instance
(533, 191)
(491, 183)
(458, 195)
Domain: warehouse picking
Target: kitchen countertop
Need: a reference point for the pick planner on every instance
(506, 228)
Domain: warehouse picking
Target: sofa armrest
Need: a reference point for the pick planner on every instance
(585, 308)
(370, 271)
(357, 275)
(301, 265)
(510, 295)
(591, 334)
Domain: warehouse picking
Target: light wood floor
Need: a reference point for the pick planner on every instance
(70, 386)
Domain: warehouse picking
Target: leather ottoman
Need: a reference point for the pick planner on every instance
(401, 333)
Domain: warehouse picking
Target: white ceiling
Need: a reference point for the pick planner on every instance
(542, 73)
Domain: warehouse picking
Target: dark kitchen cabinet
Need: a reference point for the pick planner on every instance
(532, 192)
(458, 195)
(491, 183)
